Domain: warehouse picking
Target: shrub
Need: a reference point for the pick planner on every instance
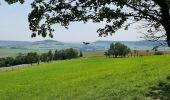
(44, 57)
(50, 55)
(71, 53)
(33, 57)
(158, 53)
(118, 50)
(81, 54)
(65, 54)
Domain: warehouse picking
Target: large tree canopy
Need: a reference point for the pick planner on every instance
(116, 13)
(14, 1)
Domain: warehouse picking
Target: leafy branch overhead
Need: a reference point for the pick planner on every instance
(116, 14)
(14, 1)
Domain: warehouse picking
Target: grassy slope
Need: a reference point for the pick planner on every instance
(85, 79)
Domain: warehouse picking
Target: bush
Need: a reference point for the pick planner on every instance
(71, 53)
(33, 57)
(50, 55)
(65, 54)
(118, 50)
(158, 53)
(44, 57)
(20, 59)
(81, 54)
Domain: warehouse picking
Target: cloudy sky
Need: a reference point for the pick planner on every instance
(14, 26)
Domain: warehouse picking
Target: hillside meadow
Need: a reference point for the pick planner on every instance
(9, 52)
(96, 78)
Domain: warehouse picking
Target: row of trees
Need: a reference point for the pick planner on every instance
(34, 57)
(120, 50)
(117, 50)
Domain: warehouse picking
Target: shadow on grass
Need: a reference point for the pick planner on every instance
(161, 91)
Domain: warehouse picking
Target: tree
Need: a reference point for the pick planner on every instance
(2, 62)
(56, 55)
(71, 53)
(116, 13)
(135, 53)
(20, 59)
(81, 54)
(14, 1)
(61, 55)
(155, 48)
(44, 57)
(147, 52)
(32, 57)
(50, 55)
(118, 49)
(9, 61)
(107, 54)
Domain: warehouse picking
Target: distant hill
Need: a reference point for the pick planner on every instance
(139, 45)
(48, 42)
(103, 42)
(127, 42)
(8, 44)
(94, 46)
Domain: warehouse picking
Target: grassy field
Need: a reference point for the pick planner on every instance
(93, 54)
(8, 52)
(94, 78)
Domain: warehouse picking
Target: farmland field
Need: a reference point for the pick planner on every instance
(95, 78)
(8, 52)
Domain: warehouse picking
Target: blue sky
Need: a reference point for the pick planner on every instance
(14, 26)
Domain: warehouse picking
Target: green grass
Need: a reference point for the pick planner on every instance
(93, 54)
(86, 79)
(8, 52)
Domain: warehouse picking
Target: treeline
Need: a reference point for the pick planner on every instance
(34, 57)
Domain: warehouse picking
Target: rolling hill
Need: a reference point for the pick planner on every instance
(12, 48)
(94, 46)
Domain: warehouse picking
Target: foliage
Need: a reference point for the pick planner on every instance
(65, 54)
(60, 55)
(71, 53)
(107, 54)
(116, 13)
(9, 61)
(33, 57)
(20, 59)
(147, 52)
(14, 1)
(155, 48)
(118, 50)
(44, 57)
(161, 91)
(50, 55)
(158, 53)
(81, 54)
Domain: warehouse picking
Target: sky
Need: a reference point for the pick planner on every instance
(14, 26)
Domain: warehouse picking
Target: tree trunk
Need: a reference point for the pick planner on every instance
(167, 29)
(165, 21)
